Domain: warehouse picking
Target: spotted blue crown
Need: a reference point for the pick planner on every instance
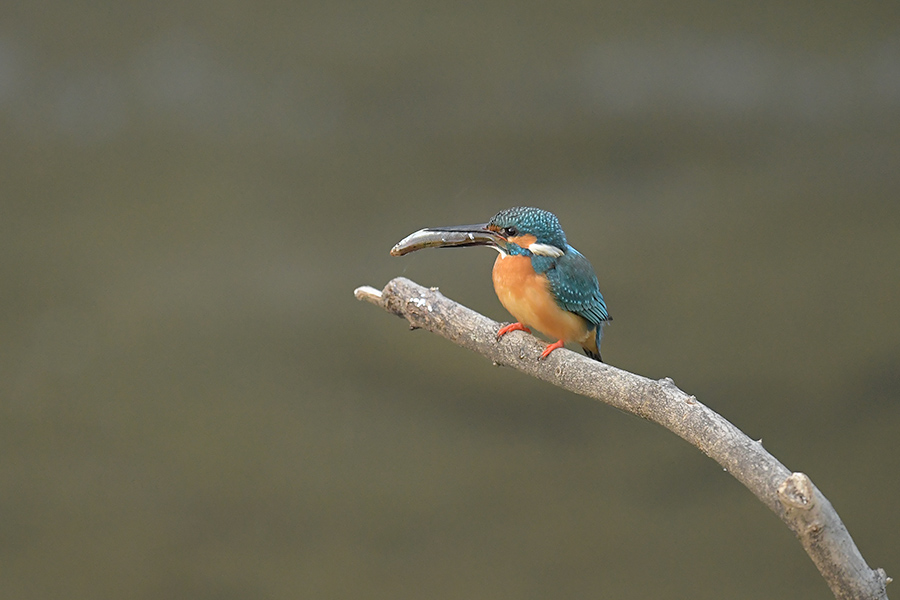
(523, 220)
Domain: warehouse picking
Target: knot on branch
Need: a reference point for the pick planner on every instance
(796, 491)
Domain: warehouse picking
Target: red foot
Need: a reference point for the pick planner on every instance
(514, 327)
(550, 348)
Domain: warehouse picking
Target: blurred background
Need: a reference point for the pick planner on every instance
(195, 406)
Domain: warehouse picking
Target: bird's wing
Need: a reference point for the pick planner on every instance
(574, 284)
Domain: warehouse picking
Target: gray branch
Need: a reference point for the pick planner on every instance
(792, 496)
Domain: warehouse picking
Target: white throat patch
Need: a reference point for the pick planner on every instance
(545, 250)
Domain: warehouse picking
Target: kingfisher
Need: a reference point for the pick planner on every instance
(542, 281)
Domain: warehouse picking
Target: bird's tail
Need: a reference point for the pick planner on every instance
(591, 354)
(593, 350)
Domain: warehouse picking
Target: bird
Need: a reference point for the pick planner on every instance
(542, 281)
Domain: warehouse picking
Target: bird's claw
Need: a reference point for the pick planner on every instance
(511, 327)
(550, 348)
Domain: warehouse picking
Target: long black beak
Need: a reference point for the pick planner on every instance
(449, 237)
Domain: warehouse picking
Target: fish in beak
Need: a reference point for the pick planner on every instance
(450, 237)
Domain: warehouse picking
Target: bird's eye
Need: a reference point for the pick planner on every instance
(510, 231)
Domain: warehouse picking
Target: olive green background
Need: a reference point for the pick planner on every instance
(194, 405)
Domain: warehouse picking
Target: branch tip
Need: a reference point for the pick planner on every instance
(368, 293)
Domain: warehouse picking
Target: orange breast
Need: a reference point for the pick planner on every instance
(526, 295)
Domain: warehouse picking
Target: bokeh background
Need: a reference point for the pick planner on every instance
(192, 404)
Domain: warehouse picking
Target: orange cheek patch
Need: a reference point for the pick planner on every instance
(523, 240)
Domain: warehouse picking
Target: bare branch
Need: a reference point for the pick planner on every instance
(792, 496)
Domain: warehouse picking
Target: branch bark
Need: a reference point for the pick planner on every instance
(791, 496)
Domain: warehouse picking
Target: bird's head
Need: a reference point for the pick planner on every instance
(530, 228)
